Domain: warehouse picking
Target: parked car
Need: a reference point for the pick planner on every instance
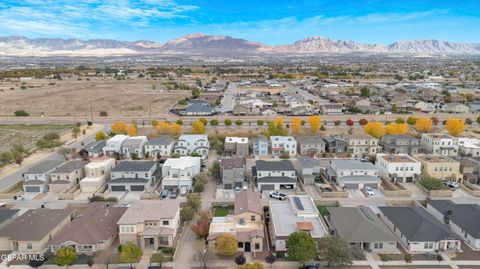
(174, 193)
(312, 266)
(245, 188)
(286, 186)
(369, 191)
(164, 194)
(278, 195)
(183, 191)
(237, 189)
(452, 185)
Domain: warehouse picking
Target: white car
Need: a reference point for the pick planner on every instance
(369, 191)
(277, 195)
(452, 184)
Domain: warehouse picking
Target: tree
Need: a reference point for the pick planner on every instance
(374, 129)
(435, 121)
(240, 260)
(238, 122)
(204, 121)
(103, 113)
(363, 122)
(478, 120)
(227, 122)
(335, 250)
(198, 127)
(187, 213)
(337, 123)
(119, 127)
(21, 113)
(214, 122)
(65, 256)
(176, 129)
(215, 170)
(254, 265)
(284, 155)
(314, 122)
(261, 122)
(270, 259)
(411, 120)
(301, 247)
(130, 253)
(349, 122)
(423, 125)
(226, 245)
(194, 201)
(468, 121)
(365, 91)
(202, 228)
(296, 126)
(195, 93)
(179, 122)
(35, 263)
(163, 128)
(396, 128)
(455, 126)
(399, 120)
(75, 132)
(408, 258)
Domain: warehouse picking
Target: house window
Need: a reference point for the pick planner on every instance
(29, 246)
(240, 244)
(165, 222)
(252, 218)
(428, 245)
(257, 246)
(378, 246)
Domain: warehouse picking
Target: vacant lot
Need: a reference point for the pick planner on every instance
(271, 90)
(76, 98)
(26, 135)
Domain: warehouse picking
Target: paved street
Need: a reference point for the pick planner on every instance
(228, 100)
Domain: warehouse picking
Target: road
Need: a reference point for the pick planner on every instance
(228, 100)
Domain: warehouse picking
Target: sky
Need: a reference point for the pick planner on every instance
(267, 21)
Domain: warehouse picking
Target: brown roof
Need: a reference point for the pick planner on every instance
(392, 158)
(248, 201)
(233, 162)
(143, 210)
(35, 224)
(305, 226)
(247, 236)
(96, 223)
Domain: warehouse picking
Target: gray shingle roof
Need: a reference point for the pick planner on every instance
(233, 162)
(128, 180)
(283, 165)
(43, 167)
(310, 140)
(417, 224)
(6, 214)
(466, 216)
(353, 164)
(68, 167)
(96, 146)
(276, 179)
(141, 166)
(164, 140)
(196, 107)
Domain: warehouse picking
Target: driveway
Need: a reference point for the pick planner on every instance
(313, 191)
(416, 191)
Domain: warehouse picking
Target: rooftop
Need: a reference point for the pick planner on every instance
(118, 138)
(469, 142)
(96, 146)
(43, 167)
(283, 165)
(134, 141)
(70, 166)
(353, 165)
(129, 166)
(6, 214)
(466, 216)
(233, 139)
(142, 210)
(397, 158)
(163, 140)
(439, 136)
(182, 162)
(248, 201)
(233, 162)
(434, 159)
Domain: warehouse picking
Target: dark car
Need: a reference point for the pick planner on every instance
(164, 194)
(312, 266)
(174, 193)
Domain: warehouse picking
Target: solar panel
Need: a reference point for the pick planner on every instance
(298, 203)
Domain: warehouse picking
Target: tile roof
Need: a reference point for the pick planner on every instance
(248, 201)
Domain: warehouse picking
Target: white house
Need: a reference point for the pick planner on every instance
(162, 146)
(469, 146)
(280, 144)
(134, 145)
(353, 174)
(36, 178)
(440, 144)
(179, 172)
(114, 145)
(96, 174)
(193, 143)
(133, 175)
(273, 175)
(398, 167)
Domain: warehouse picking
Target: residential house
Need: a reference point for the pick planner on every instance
(93, 230)
(150, 224)
(198, 108)
(398, 167)
(281, 144)
(30, 232)
(179, 172)
(189, 144)
(160, 146)
(113, 145)
(419, 231)
(95, 149)
(441, 167)
(96, 174)
(469, 146)
(134, 175)
(310, 145)
(362, 228)
(440, 144)
(233, 172)
(236, 146)
(456, 108)
(396, 144)
(272, 175)
(246, 223)
(308, 169)
(67, 175)
(335, 144)
(133, 147)
(474, 107)
(7, 215)
(463, 219)
(260, 146)
(364, 105)
(362, 144)
(469, 168)
(353, 174)
(332, 109)
(297, 213)
(37, 177)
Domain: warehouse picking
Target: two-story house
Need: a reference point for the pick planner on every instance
(134, 175)
(134, 146)
(67, 175)
(398, 167)
(236, 146)
(150, 224)
(353, 174)
(97, 172)
(440, 144)
(179, 172)
(245, 224)
(113, 146)
(273, 175)
(160, 147)
(362, 145)
(469, 146)
(233, 172)
(310, 145)
(281, 144)
(396, 144)
(260, 146)
(193, 143)
(37, 177)
(335, 144)
(441, 167)
(95, 149)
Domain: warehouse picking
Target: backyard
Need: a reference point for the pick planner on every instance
(222, 211)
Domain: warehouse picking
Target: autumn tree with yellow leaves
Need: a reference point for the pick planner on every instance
(314, 122)
(198, 128)
(396, 128)
(120, 127)
(375, 129)
(423, 125)
(455, 126)
(296, 126)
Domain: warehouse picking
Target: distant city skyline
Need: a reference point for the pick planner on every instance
(270, 22)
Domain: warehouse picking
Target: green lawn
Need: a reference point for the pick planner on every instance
(323, 210)
(160, 258)
(221, 211)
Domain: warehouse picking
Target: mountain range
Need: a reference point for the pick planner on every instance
(218, 45)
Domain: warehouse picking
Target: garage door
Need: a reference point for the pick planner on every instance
(351, 186)
(227, 186)
(267, 187)
(137, 188)
(32, 189)
(371, 185)
(118, 188)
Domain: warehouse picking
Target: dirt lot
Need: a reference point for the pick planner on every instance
(271, 90)
(70, 97)
(26, 135)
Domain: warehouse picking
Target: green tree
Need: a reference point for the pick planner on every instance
(214, 122)
(130, 253)
(226, 245)
(301, 247)
(411, 120)
(194, 201)
(21, 113)
(253, 265)
(65, 256)
(179, 122)
(103, 114)
(195, 93)
(335, 250)
(227, 122)
(215, 170)
(187, 213)
(204, 121)
(238, 122)
(75, 132)
(365, 91)
(261, 122)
